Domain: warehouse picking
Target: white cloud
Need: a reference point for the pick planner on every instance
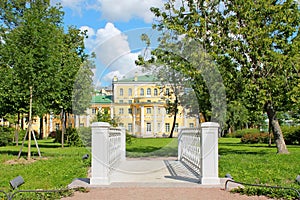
(112, 50)
(75, 5)
(116, 10)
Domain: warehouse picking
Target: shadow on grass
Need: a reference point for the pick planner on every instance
(226, 151)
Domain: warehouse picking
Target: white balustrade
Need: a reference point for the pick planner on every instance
(108, 149)
(198, 148)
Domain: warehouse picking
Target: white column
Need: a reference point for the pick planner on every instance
(134, 120)
(100, 141)
(155, 120)
(142, 121)
(209, 150)
(111, 112)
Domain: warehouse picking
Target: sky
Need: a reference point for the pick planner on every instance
(114, 28)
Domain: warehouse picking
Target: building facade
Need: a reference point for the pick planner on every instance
(139, 105)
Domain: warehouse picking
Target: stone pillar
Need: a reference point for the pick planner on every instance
(155, 120)
(209, 156)
(100, 141)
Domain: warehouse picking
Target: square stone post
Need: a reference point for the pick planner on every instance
(100, 165)
(209, 154)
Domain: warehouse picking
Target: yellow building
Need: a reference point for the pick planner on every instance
(139, 104)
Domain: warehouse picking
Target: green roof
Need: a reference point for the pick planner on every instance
(144, 78)
(101, 99)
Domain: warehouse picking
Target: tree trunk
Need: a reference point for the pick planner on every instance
(17, 131)
(41, 127)
(174, 118)
(63, 127)
(278, 136)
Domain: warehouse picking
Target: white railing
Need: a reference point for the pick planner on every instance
(115, 150)
(108, 150)
(198, 149)
(189, 147)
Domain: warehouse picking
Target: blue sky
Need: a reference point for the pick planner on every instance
(114, 29)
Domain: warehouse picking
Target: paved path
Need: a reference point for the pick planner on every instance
(159, 178)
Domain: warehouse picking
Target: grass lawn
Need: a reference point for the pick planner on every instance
(249, 163)
(151, 147)
(55, 170)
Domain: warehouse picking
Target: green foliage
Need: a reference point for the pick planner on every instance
(104, 116)
(72, 137)
(254, 138)
(291, 134)
(6, 135)
(242, 132)
(85, 134)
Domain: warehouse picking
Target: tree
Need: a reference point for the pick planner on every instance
(257, 39)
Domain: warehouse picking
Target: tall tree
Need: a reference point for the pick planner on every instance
(259, 40)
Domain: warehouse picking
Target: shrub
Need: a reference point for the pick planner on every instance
(6, 135)
(85, 134)
(253, 138)
(241, 133)
(291, 134)
(71, 137)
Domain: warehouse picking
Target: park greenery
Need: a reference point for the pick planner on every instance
(59, 166)
(45, 67)
(254, 45)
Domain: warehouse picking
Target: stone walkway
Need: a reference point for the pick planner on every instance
(154, 178)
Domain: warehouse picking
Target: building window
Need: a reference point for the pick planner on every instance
(167, 91)
(130, 101)
(148, 91)
(81, 124)
(121, 92)
(120, 101)
(148, 110)
(155, 92)
(121, 110)
(167, 126)
(93, 110)
(176, 127)
(142, 92)
(148, 127)
(129, 127)
(121, 125)
(158, 110)
(129, 110)
(129, 92)
(191, 125)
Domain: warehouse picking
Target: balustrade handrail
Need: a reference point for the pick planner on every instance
(189, 147)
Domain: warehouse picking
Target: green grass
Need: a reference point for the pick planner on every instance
(55, 170)
(151, 147)
(259, 164)
(249, 163)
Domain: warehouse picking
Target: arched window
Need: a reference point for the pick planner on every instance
(148, 91)
(129, 92)
(121, 91)
(142, 92)
(155, 92)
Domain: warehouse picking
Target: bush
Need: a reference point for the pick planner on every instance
(241, 133)
(71, 137)
(85, 134)
(253, 138)
(291, 134)
(6, 135)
